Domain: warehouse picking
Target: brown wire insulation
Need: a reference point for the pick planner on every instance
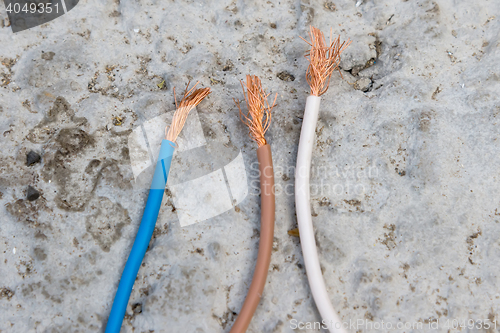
(267, 204)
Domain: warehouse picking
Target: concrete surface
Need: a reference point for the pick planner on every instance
(406, 181)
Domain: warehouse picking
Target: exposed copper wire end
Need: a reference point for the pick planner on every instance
(323, 60)
(258, 118)
(188, 102)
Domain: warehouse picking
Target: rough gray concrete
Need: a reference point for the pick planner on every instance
(406, 180)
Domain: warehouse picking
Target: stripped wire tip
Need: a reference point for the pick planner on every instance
(258, 118)
(323, 60)
(188, 102)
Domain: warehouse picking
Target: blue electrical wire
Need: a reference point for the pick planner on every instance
(143, 237)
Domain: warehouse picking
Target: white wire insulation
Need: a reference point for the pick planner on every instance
(303, 207)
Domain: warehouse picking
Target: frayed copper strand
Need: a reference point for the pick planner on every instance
(323, 60)
(258, 118)
(188, 102)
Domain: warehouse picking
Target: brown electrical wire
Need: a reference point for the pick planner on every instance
(258, 120)
(323, 60)
(188, 102)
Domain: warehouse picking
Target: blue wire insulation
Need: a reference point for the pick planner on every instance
(143, 237)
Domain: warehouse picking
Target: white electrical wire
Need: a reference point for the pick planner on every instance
(303, 207)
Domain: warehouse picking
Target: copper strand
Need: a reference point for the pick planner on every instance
(323, 60)
(258, 118)
(188, 102)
